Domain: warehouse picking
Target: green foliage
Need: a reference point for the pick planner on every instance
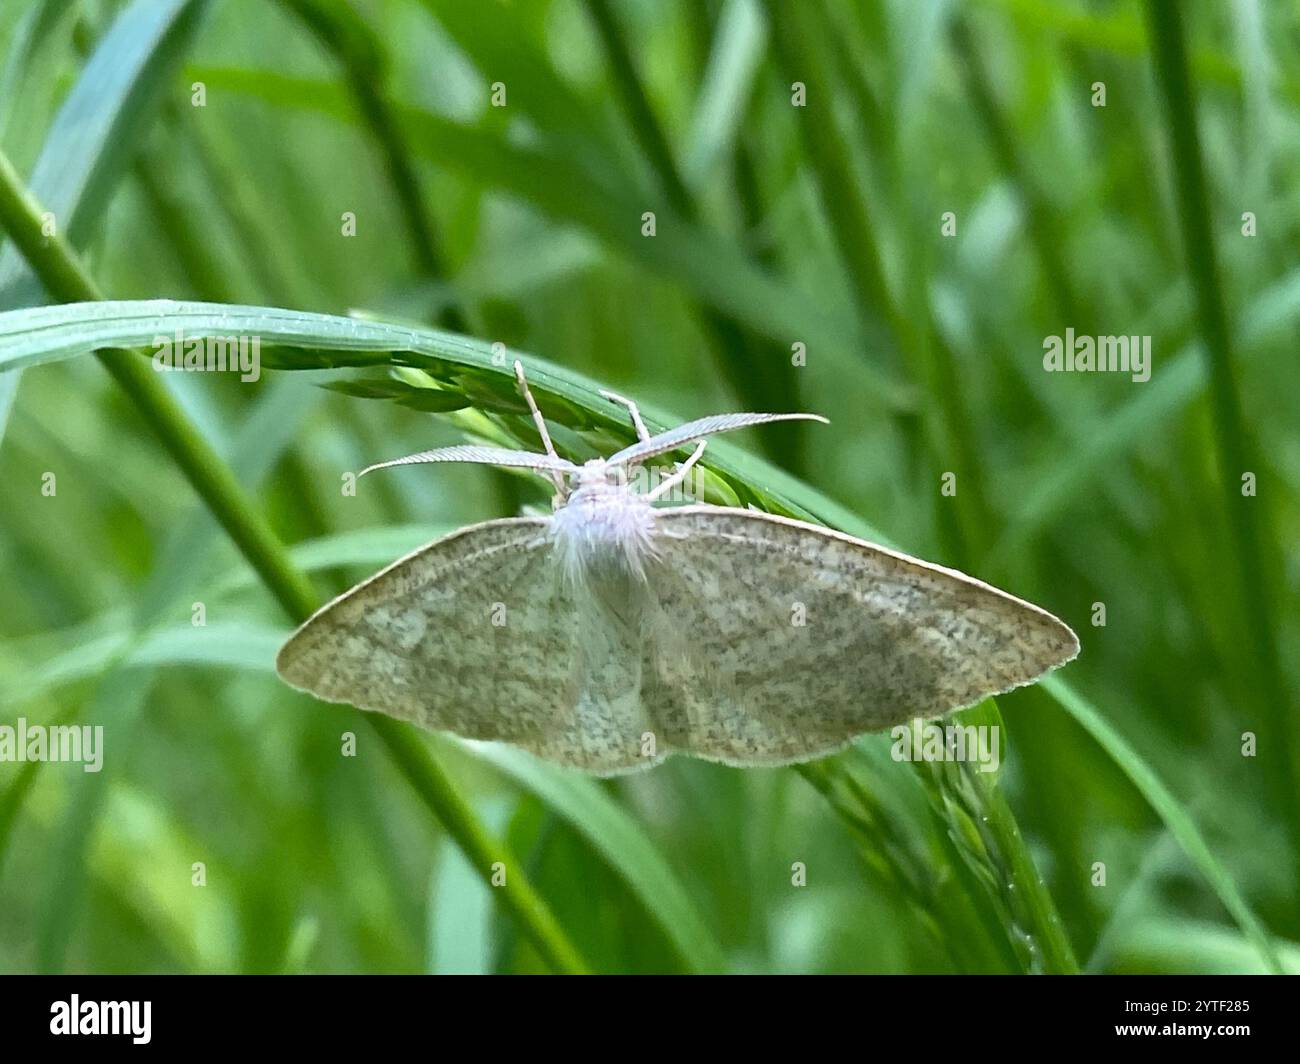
(483, 231)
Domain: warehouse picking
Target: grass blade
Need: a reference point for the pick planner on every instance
(707, 265)
(1170, 811)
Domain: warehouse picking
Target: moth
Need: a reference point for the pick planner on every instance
(615, 632)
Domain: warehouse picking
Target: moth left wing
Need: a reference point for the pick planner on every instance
(475, 634)
(771, 640)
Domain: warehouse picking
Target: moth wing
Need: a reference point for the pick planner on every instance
(475, 634)
(771, 640)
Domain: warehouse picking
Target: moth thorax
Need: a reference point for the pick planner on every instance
(603, 529)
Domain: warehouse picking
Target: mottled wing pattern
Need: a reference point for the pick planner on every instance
(771, 640)
(474, 634)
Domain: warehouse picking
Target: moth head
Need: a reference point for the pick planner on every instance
(597, 474)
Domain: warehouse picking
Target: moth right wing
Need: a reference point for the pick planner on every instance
(476, 634)
(772, 640)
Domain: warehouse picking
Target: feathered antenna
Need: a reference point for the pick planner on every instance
(697, 430)
(499, 456)
(553, 465)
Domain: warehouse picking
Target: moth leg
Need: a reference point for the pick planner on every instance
(540, 422)
(642, 433)
(671, 482)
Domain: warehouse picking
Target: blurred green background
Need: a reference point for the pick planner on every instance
(799, 262)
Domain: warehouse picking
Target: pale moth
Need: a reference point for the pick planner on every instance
(614, 633)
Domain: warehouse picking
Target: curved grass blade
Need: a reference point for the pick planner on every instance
(708, 265)
(1170, 810)
(40, 335)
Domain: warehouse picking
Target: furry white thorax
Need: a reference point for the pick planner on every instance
(603, 525)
